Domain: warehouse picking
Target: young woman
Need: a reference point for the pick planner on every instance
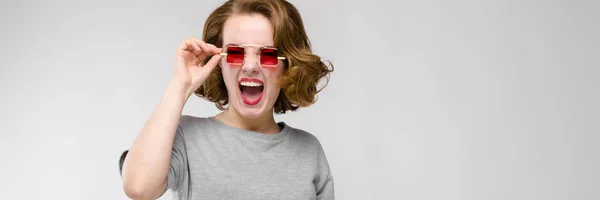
(254, 60)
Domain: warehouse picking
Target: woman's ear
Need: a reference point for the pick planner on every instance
(121, 161)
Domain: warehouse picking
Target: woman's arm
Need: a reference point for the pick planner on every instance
(147, 163)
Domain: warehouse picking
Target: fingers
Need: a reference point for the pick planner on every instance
(193, 47)
(214, 48)
(210, 65)
(199, 48)
(209, 49)
(187, 45)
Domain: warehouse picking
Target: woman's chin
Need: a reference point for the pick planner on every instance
(251, 111)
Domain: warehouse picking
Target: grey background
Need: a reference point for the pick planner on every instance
(429, 99)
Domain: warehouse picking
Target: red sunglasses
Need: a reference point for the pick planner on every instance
(269, 56)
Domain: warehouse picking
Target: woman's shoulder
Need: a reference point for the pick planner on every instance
(189, 123)
(187, 120)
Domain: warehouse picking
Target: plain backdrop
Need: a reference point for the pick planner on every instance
(429, 99)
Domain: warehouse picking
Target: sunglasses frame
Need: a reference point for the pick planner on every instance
(243, 46)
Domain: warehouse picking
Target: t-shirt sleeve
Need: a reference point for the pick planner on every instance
(178, 170)
(324, 182)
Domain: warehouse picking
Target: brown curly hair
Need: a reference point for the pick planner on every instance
(303, 69)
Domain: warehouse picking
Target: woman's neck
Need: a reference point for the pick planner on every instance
(264, 124)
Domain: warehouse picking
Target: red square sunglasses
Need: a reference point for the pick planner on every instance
(235, 54)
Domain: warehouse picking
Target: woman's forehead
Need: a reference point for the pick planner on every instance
(248, 29)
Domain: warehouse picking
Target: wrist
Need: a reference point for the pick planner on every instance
(178, 90)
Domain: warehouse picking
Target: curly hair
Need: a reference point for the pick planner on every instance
(303, 69)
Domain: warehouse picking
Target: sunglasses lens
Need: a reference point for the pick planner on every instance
(268, 56)
(235, 55)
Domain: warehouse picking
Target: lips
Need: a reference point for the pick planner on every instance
(251, 90)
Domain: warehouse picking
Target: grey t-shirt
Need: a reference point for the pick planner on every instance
(212, 160)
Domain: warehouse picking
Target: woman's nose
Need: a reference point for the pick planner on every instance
(251, 65)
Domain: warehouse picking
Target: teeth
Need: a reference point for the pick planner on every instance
(250, 84)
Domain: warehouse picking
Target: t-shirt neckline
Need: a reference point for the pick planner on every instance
(276, 136)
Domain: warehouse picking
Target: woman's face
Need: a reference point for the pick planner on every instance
(252, 89)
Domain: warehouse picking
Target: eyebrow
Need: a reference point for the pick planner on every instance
(242, 45)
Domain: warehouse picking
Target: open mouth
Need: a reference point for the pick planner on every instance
(251, 90)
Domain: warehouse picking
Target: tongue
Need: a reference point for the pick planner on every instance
(251, 92)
